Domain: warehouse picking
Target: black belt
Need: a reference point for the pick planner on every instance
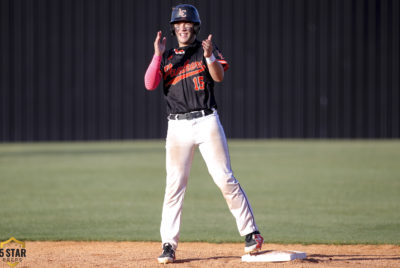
(191, 115)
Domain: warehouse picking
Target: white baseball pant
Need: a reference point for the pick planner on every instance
(182, 138)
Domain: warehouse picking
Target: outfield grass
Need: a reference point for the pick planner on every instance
(341, 192)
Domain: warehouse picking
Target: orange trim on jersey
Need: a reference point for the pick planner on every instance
(224, 64)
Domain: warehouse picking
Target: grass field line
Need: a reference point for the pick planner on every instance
(302, 191)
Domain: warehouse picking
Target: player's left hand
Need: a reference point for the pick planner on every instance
(207, 46)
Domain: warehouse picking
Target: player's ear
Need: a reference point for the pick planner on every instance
(196, 29)
(172, 29)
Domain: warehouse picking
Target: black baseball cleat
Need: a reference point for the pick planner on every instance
(254, 242)
(168, 254)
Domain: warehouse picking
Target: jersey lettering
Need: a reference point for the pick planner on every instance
(185, 71)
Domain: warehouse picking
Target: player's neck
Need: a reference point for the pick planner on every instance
(188, 43)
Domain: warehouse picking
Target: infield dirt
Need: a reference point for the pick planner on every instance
(144, 254)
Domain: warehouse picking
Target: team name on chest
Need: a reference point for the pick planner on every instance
(187, 70)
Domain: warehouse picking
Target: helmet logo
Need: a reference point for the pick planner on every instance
(182, 13)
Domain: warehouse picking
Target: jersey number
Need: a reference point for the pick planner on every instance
(198, 83)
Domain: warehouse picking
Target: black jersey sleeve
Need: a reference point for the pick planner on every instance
(220, 58)
(162, 63)
(164, 60)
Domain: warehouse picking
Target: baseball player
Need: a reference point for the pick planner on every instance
(188, 73)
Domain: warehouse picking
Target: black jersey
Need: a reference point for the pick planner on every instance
(188, 85)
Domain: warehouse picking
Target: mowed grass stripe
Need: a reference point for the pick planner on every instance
(313, 191)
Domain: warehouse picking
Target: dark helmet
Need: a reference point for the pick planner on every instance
(185, 12)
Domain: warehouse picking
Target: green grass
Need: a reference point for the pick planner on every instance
(342, 192)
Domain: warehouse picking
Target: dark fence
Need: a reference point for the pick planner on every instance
(73, 69)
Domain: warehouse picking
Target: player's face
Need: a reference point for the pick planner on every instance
(184, 32)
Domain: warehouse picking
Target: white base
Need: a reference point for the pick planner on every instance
(274, 256)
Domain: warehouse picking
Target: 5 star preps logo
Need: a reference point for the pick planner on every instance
(12, 251)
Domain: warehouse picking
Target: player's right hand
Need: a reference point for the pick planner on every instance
(159, 45)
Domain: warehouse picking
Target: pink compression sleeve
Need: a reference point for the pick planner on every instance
(152, 77)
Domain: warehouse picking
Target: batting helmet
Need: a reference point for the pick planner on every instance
(185, 12)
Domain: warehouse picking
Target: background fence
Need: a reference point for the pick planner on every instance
(73, 69)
